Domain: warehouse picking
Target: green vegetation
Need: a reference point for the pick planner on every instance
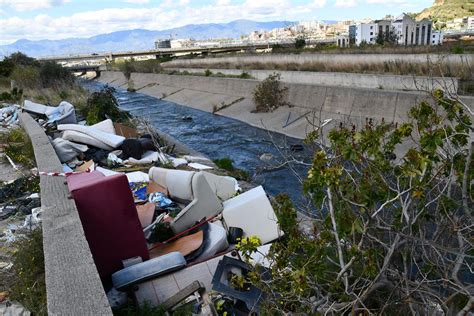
(441, 68)
(14, 95)
(445, 10)
(392, 226)
(269, 94)
(227, 164)
(40, 82)
(102, 105)
(131, 309)
(18, 147)
(300, 43)
(29, 286)
(132, 65)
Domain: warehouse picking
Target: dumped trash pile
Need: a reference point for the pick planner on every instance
(160, 227)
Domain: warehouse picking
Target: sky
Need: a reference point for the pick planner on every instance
(58, 19)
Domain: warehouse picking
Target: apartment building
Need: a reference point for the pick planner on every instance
(408, 30)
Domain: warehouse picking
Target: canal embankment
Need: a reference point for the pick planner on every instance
(308, 104)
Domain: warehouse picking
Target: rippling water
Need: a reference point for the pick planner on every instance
(219, 137)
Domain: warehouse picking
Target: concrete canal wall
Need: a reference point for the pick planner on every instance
(345, 79)
(301, 59)
(310, 104)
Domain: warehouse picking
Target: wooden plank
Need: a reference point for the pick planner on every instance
(73, 286)
(196, 286)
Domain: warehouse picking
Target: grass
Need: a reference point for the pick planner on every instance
(18, 147)
(227, 164)
(29, 287)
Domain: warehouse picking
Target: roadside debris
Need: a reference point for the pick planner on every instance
(168, 230)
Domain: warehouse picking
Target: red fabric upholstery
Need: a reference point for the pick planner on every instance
(110, 220)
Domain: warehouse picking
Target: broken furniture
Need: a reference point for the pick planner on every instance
(143, 271)
(156, 291)
(221, 282)
(110, 220)
(253, 213)
(191, 188)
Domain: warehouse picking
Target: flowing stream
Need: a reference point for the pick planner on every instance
(252, 149)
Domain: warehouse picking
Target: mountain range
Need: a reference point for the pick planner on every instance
(138, 39)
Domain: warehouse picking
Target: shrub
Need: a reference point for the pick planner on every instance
(457, 50)
(391, 236)
(300, 43)
(13, 96)
(28, 262)
(245, 75)
(26, 76)
(207, 73)
(269, 94)
(6, 67)
(102, 105)
(54, 75)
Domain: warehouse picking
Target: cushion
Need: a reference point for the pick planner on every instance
(149, 269)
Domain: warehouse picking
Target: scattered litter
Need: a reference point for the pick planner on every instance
(159, 199)
(8, 308)
(137, 176)
(113, 160)
(147, 158)
(266, 157)
(11, 162)
(32, 221)
(6, 265)
(86, 166)
(198, 166)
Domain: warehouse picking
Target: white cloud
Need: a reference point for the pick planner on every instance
(392, 3)
(345, 3)
(137, 1)
(90, 23)
(29, 5)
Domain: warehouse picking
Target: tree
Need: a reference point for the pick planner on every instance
(300, 42)
(390, 37)
(269, 94)
(394, 231)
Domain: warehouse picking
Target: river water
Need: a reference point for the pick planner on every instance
(218, 137)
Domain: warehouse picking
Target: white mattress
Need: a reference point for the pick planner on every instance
(92, 135)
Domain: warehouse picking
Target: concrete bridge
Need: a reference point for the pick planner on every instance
(83, 69)
(157, 53)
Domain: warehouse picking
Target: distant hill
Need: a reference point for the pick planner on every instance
(444, 10)
(136, 39)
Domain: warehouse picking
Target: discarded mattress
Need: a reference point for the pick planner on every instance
(64, 113)
(67, 150)
(146, 270)
(252, 212)
(37, 108)
(91, 135)
(110, 220)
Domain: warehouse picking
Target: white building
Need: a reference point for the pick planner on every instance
(408, 30)
(437, 38)
(470, 23)
(366, 33)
